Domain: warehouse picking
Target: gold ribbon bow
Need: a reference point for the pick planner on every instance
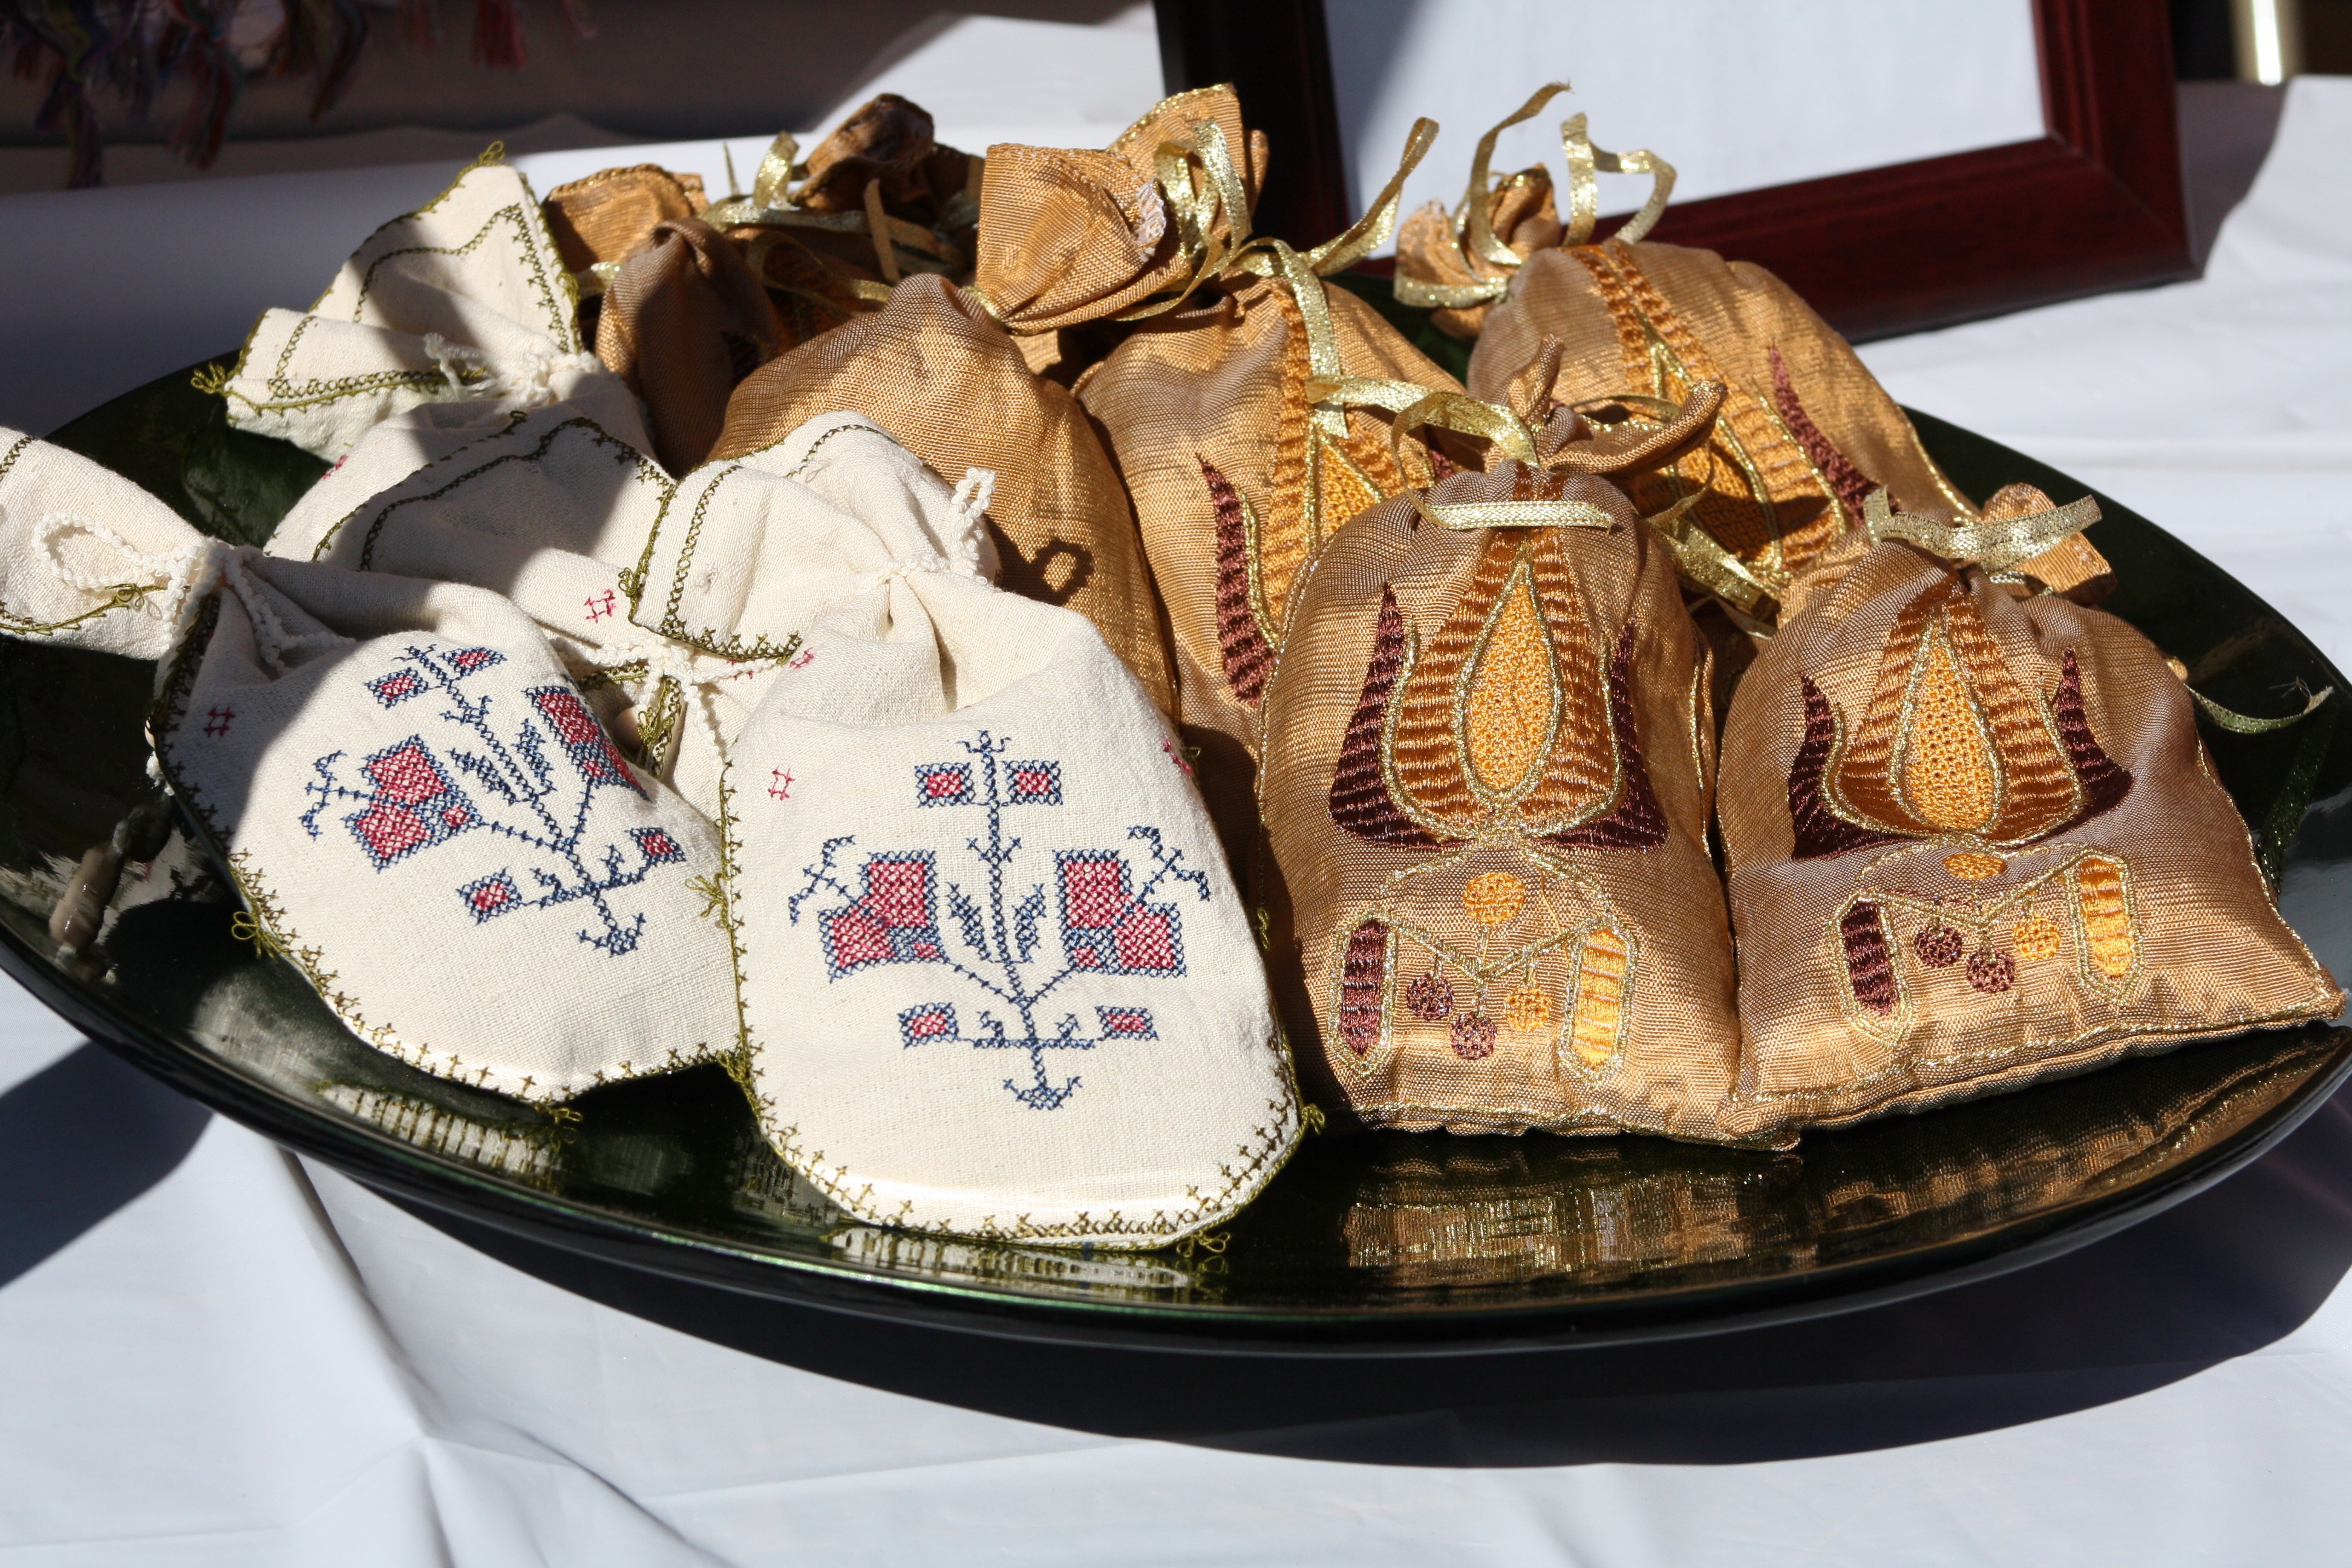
(1193, 207)
(1701, 561)
(1474, 218)
(773, 206)
(1995, 546)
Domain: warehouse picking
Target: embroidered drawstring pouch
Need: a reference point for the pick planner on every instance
(405, 783)
(1806, 433)
(1237, 472)
(441, 325)
(1488, 769)
(875, 201)
(995, 977)
(1973, 838)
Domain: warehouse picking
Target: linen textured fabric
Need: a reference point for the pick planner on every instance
(1974, 841)
(1488, 769)
(552, 512)
(949, 383)
(465, 304)
(684, 320)
(418, 806)
(1806, 432)
(995, 977)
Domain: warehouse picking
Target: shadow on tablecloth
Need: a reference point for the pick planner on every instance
(2226, 1273)
(79, 1140)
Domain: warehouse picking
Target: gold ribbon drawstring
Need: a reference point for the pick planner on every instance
(1193, 209)
(1475, 218)
(1699, 558)
(1995, 546)
(1584, 190)
(1474, 222)
(773, 204)
(2246, 723)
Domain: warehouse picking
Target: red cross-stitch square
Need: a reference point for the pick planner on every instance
(856, 937)
(899, 891)
(1094, 889)
(407, 775)
(1146, 943)
(390, 830)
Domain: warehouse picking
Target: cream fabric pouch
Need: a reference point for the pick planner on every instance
(415, 799)
(464, 304)
(994, 976)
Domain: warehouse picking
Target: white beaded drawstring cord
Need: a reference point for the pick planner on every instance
(675, 662)
(966, 524)
(525, 381)
(962, 534)
(190, 574)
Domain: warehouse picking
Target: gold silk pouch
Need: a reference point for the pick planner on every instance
(1974, 840)
(950, 386)
(1249, 412)
(1486, 782)
(1806, 433)
(684, 320)
(609, 217)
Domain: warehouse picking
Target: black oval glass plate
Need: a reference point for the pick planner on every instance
(1385, 1243)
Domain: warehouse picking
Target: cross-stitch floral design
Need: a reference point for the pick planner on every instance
(410, 799)
(1109, 925)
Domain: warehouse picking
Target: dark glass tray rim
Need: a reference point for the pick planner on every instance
(445, 1190)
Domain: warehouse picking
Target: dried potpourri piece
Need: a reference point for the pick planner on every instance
(1806, 433)
(1488, 769)
(412, 795)
(1973, 838)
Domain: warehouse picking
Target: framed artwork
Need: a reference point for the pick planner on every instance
(2091, 202)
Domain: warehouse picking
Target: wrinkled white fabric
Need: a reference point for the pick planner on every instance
(462, 303)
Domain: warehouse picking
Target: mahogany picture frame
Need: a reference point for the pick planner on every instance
(2095, 204)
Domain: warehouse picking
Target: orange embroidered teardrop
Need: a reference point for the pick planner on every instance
(1509, 693)
(1951, 743)
(1341, 489)
(1504, 721)
(1947, 761)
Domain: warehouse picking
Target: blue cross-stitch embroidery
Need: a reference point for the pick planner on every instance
(1107, 924)
(413, 800)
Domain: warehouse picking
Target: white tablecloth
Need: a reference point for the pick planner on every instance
(212, 1355)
